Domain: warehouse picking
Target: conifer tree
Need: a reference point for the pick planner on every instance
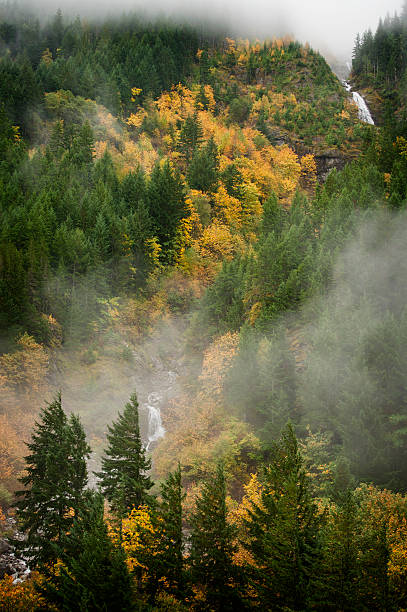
(190, 136)
(93, 574)
(212, 546)
(283, 531)
(166, 199)
(338, 582)
(170, 512)
(56, 478)
(123, 479)
(13, 286)
(82, 149)
(203, 172)
(133, 189)
(204, 67)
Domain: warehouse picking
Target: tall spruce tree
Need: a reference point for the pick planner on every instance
(56, 476)
(203, 171)
(170, 511)
(283, 531)
(123, 479)
(166, 201)
(212, 547)
(338, 574)
(93, 575)
(190, 136)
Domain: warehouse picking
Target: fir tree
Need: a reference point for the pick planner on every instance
(204, 67)
(55, 480)
(170, 511)
(190, 136)
(93, 575)
(283, 531)
(82, 149)
(123, 479)
(336, 585)
(212, 546)
(203, 172)
(167, 206)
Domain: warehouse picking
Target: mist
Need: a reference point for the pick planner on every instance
(330, 27)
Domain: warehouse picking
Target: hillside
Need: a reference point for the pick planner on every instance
(204, 222)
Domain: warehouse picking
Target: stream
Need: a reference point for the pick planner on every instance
(153, 407)
(363, 109)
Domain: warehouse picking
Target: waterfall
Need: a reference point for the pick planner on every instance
(364, 112)
(155, 426)
(153, 405)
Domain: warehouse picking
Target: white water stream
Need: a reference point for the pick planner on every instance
(363, 109)
(153, 405)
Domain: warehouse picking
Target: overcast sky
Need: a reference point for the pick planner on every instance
(326, 24)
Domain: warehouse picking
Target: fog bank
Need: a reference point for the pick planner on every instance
(329, 26)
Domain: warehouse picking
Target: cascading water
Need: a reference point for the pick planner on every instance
(153, 405)
(155, 426)
(364, 112)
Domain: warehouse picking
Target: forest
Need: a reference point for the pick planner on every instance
(179, 204)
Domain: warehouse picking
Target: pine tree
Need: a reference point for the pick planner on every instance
(55, 480)
(273, 216)
(133, 189)
(338, 575)
(13, 286)
(170, 511)
(123, 479)
(232, 178)
(212, 546)
(190, 136)
(283, 531)
(93, 575)
(82, 149)
(203, 172)
(167, 206)
(204, 67)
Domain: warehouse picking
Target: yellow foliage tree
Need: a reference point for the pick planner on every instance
(216, 362)
(217, 242)
(240, 514)
(309, 173)
(226, 209)
(21, 597)
(140, 537)
(24, 370)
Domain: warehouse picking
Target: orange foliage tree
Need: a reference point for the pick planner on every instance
(22, 597)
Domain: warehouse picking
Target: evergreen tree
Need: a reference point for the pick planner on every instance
(203, 172)
(212, 547)
(204, 67)
(273, 217)
(13, 286)
(93, 575)
(55, 480)
(232, 178)
(167, 206)
(133, 189)
(124, 480)
(337, 583)
(283, 531)
(170, 511)
(190, 136)
(82, 149)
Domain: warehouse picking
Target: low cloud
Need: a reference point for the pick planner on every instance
(330, 26)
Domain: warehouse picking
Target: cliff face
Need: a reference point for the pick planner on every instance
(327, 161)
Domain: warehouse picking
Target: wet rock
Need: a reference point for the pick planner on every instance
(14, 567)
(4, 546)
(327, 161)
